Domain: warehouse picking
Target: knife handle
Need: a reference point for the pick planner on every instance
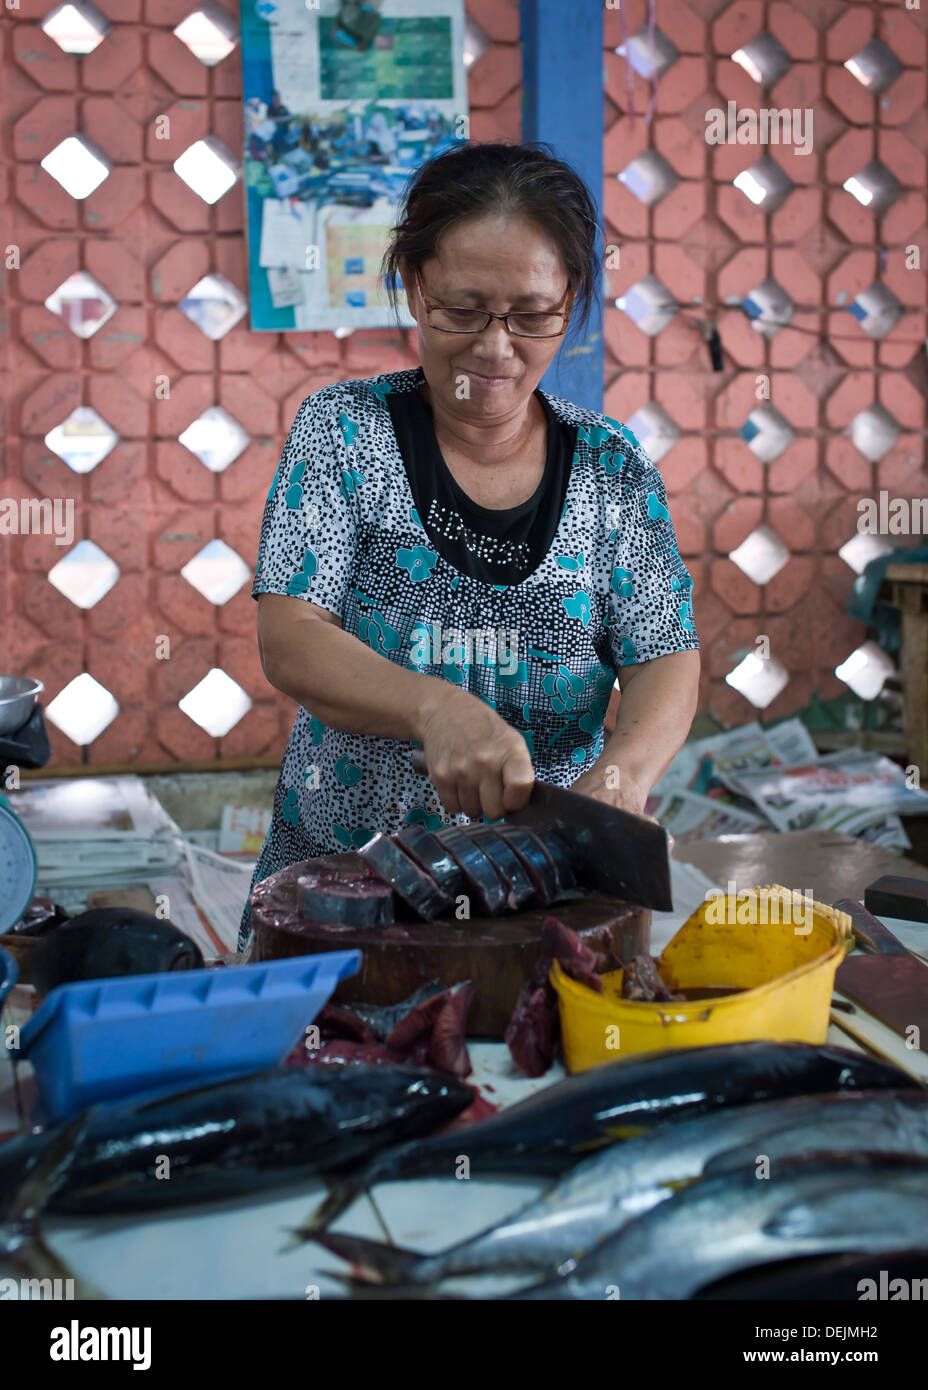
(868, 932)
(892, 896)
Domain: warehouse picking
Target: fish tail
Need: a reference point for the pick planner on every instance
(47, 1176)
(393, 1164)
(374, 1262)
(339, 1198)
(37, 1263)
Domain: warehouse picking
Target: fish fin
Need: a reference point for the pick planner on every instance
(340, 1197)
(37, 1189)
(374, 1262)
(35, 1261)
(394, 1292)
(678, 1184)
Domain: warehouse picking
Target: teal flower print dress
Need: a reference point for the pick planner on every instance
(341, 530)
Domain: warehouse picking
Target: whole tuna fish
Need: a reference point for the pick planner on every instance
(602, 1194)
(546, 1133)
(823, 1203)
(234, 1136)
(106, 942)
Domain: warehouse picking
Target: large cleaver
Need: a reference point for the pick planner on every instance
(623, 855)
(884, 978)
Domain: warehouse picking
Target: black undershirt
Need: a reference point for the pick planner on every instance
(495, 547)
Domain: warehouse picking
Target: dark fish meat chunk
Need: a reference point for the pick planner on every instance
(429, 852)
(538, 864)
(558, 850)
(485, 883)
(357, 900)
(534, 1028)
(507, 862)
(413, 885)
(642, 982)
(381, 1019)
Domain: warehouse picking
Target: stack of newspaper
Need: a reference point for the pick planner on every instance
(750, 779)
(96, 832)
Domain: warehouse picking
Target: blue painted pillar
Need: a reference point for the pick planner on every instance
(562, 103)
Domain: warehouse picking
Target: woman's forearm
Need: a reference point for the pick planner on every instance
(656, 711)
(347, 686)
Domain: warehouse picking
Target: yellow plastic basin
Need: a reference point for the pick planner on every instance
(779, 947)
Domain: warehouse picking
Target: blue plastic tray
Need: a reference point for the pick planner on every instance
(102, 1039)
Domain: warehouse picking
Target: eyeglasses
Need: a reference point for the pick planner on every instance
(545, 324)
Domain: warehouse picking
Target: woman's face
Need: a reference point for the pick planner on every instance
(497, 263)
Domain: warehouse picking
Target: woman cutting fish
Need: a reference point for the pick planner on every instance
(454, 558)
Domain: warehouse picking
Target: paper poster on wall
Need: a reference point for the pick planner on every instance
(342, 102)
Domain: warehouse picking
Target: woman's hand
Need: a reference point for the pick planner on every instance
(609, 783)
(476, 762)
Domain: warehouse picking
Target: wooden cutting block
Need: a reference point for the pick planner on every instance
(495, 953)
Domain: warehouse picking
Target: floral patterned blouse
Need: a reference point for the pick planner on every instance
(341, 530)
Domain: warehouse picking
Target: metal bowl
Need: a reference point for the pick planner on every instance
(18, 696)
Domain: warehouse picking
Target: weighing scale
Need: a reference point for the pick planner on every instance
(18, 867)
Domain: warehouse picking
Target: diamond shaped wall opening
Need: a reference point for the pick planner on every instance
(217, 572)
(214, 305)
(765, 184)
(760, 555)
(766, 432)
(82, 440)
(83, 304)
(649, 304)
(85, 575)
(764, 58)
(476, 42)
(875, 187)
(82, 710)
(876, 67)
(209, 33)
(76, 28)
(866, 670)
(77, 165)
(208, 168)
(876, 309)
(769, 307)
(647, 58)
(655, 431)
(216, 438)
(874, 432)
(862, 548)
(759, 681)
(216, 703)
(649, 177)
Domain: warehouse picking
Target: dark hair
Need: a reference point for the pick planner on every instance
(471, 179)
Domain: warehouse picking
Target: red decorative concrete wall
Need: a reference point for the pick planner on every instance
(706, 240)
(151, 506)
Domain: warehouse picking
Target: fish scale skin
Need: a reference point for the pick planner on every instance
(232, 1137)
(603, 1193)
(720, 1225)
(546, 1133)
